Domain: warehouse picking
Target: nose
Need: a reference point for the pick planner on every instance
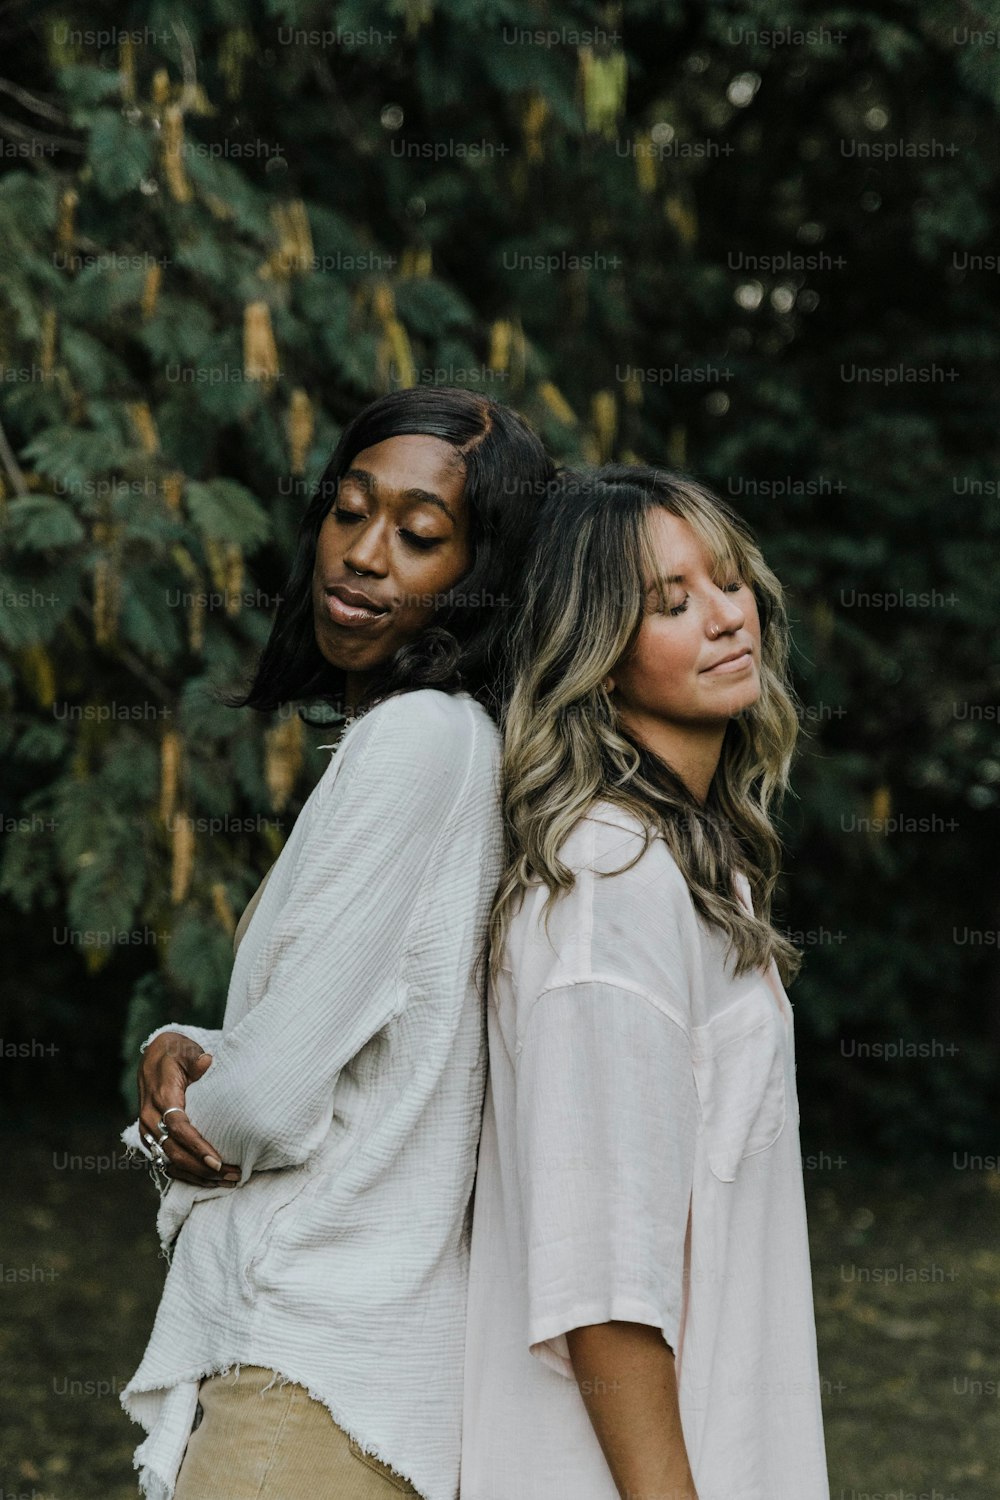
(729, 613)
(366, 552)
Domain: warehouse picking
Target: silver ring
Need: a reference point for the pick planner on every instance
(156, 1151)
(161, 1123)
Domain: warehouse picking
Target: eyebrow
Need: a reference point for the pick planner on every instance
(369, 483)
(673, 578)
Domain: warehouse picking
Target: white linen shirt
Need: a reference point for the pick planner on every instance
(347, 1082)
(639, 1161)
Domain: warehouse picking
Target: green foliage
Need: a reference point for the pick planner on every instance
(199, 961)
(38, 522)
(119, 155)
(223, 509)
(410, 206)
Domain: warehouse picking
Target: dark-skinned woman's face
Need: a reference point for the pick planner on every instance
(396, 539)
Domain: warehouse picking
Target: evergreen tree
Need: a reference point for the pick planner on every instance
(666, 233)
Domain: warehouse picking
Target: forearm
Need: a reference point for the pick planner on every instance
(266, 1101)
(222, 1107)
(627, 1379)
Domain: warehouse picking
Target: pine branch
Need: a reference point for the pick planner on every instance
(19, 132)
(33, 102)
(135, 665)
(10, 463)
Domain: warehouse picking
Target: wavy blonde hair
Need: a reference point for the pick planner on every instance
(564, 749)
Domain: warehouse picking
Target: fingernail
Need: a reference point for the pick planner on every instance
(213, 1162)
(230, 1176)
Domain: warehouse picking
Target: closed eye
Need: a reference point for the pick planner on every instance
(729, 588)
(422, 543)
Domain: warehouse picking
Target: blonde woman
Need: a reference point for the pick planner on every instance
(640, 1315)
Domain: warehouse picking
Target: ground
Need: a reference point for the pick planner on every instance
(906, 1271)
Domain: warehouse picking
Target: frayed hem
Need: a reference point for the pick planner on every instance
(160, 1182)
(155, 1486)
(197, 1373)
(152, 1484)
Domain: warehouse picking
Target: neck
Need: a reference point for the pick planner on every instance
(354, 685)
(692, 751)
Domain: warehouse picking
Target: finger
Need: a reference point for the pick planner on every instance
(169, 1091)
(191, 1141)
(176, 1123)
(192, 1166)
(177, 1154)
(178, 1175)
(190, 1149)
(149, 1129)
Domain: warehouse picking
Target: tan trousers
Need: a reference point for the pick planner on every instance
(276, 1444)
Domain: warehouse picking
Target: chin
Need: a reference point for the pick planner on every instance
(347, 655)
(745, 701)
(737, 702)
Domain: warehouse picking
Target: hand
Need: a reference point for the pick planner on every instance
(169, 1064)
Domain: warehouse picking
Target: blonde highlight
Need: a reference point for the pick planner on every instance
(564, 749)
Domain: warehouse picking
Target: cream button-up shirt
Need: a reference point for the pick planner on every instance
(639, 1161)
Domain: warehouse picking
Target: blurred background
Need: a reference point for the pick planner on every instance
(751, 241)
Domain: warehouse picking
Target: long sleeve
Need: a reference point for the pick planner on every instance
(207, 1037)
(606, 1127)
(333, 956)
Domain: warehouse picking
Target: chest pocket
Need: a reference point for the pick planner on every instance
(739, 1068)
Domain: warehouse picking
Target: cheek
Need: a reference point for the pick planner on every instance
(326, 547)
(437, 571)
(424, 581)
(660, 657)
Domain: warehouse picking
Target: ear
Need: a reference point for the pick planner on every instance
(608, 684)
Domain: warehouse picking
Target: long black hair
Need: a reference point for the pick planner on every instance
(507, 473)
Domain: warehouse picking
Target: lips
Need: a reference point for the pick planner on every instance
(733, 662)
(356, 598)
(346, 606)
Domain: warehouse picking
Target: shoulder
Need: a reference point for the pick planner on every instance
(627, 921)
(426, 739)
(424, 720)
(431, 705)
(613, 842)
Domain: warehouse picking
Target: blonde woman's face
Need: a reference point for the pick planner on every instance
(675, 671)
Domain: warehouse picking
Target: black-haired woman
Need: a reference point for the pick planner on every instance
(322, 1143)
